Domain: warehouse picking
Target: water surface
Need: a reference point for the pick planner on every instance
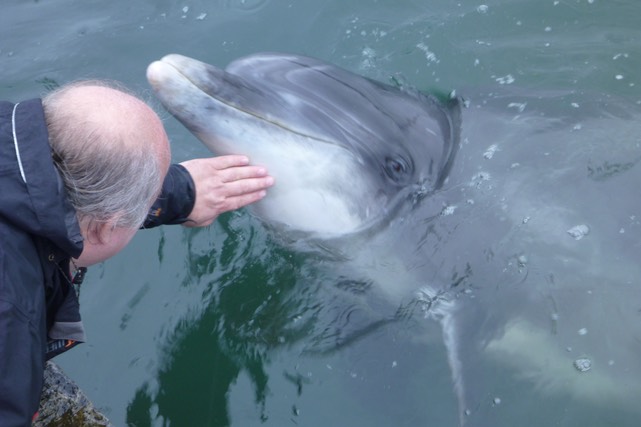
(225, 326)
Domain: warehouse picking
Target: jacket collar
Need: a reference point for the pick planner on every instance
(33, 194)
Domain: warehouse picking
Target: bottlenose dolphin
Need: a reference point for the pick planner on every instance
(460, 213)
(349, 148)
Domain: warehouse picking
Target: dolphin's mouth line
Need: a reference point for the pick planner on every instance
(244, 111)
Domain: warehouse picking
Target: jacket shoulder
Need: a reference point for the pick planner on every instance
(21, 275)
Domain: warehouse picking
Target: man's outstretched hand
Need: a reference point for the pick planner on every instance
(224, 183)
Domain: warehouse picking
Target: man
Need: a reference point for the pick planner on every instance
(80, 172)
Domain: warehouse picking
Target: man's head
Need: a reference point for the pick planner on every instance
(113, 154)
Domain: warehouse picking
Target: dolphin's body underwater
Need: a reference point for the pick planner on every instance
(476, 234)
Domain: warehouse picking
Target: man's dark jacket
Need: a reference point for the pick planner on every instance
(39, 233)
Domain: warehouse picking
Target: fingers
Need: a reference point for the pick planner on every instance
(238, 173)
(246, 185)
(235, 167)
(223, 184)
(244, 199)
(229, 161)
(238, 177)
(204, 216)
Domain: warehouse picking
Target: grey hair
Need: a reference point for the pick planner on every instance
(106, 180)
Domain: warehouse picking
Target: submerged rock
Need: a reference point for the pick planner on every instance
(63, 404)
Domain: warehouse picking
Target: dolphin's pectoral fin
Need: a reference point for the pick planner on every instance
(440, 307)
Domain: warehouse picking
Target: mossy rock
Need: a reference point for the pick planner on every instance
(63, 404)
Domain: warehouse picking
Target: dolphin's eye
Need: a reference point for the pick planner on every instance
(397, 169)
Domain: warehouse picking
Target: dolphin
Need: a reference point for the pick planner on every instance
(350, 149)
(477, 217)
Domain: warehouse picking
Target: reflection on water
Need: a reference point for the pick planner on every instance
(248, 312)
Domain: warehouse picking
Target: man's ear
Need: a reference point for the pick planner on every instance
(99, 232)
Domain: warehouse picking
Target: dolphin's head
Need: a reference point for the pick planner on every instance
(344, 149)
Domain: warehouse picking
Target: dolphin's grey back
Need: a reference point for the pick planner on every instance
(320, 98)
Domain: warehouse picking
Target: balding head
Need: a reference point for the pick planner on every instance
(125, 120)
(111, 150)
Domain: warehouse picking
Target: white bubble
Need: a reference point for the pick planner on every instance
(505, 80)
(489, 153)
(583, 364)
(431, 56)
(479, 178)
(448, 210)
(518, 105)
(579, 231)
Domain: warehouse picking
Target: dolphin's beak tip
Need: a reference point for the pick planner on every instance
(152, 71)
(171, 57)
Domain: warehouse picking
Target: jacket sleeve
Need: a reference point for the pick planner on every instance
(176, 199)
(21, 367)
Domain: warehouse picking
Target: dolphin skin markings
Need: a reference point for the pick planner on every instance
(465, 207)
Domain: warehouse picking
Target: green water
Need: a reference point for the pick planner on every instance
(223, 326)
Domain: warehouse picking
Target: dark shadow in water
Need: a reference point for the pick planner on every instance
(258, 298)
(249, 312)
